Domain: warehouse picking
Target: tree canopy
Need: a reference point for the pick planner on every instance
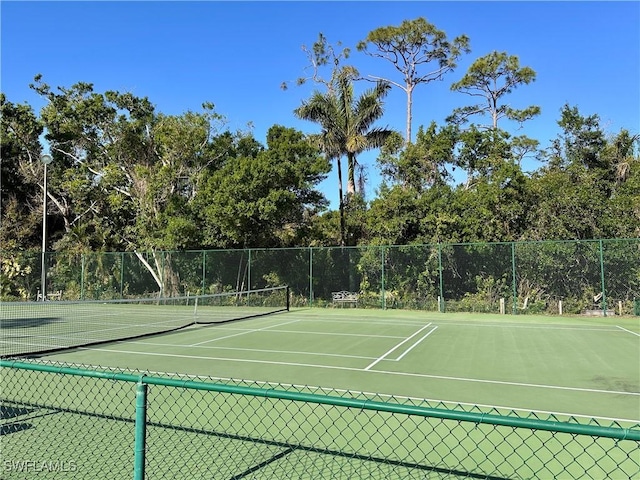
(410, 47)
(128, 177)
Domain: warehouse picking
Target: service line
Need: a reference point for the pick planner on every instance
(628, 331)
(379, 359)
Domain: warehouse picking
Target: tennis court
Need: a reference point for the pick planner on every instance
(583, 371)
(564, 365)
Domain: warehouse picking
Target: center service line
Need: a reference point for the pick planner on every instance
(397, 346)
(412, 346)
(244, 332)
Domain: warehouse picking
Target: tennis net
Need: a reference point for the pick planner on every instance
(29, 328)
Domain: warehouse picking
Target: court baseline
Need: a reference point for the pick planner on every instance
(353, 369)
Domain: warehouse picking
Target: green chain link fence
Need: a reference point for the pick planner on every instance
(78, 421)
(526, 277)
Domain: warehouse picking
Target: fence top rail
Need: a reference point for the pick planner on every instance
(472, 417)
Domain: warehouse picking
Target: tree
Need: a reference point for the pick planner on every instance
(266, 200)
(346, 124)
(491, 78)
(622, 149)
(480, 152)
(583, 190)
(21, 175)
(496, 208)
(124, 176)
(321, 55)
(566, 205)
(408, 47)
(422, 164)
(623, 218)
(582, 140)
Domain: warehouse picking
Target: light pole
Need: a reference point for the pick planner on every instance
(46, 160)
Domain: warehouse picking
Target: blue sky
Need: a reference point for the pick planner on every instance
(236, 55)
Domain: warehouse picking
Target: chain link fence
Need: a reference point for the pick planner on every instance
(82, 421)
(519, 277)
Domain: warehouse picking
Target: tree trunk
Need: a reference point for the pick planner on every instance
(351, 176)
(409, 113)
(341, 204)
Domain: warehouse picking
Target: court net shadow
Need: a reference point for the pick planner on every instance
(28, 322)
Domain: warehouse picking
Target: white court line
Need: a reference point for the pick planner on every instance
(261, 350)
(397, 346)
(404, 323)
(304, 332)
(242, 333)
(532, 327)
(382, 372)
(330, 390)
(415, 344)
(628, 331)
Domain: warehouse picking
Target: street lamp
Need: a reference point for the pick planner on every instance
(46, 160)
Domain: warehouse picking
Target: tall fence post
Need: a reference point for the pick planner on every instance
(441, 302)
(140, 430)
(204, 270)
(382, 291)
(602, 282)
(82, 276)
(513, 276)
(163, 282)
(311, 276)
(248, 270)
(122, 275)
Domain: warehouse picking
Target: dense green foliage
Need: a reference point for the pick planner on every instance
(128, 178)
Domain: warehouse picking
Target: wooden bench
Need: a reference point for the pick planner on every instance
(55, 296)
(342, 297)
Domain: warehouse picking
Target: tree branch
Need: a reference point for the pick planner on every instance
(373, 78)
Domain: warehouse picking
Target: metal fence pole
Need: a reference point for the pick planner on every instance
(384, 296)
(249, 271)
(311, 276)
(513, 276)
(204, 270)
(602, 282)
(441, 303)
(122, 275)
(140, 431)
(82, 276)
(162, 273)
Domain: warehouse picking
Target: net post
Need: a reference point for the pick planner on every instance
(288, 300)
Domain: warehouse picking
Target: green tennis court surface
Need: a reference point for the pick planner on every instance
(563, 365)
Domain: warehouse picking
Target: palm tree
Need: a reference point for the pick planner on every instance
(347, 125)
(623, 151)
(328, 145)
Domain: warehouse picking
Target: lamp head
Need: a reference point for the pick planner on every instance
(46, 159)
